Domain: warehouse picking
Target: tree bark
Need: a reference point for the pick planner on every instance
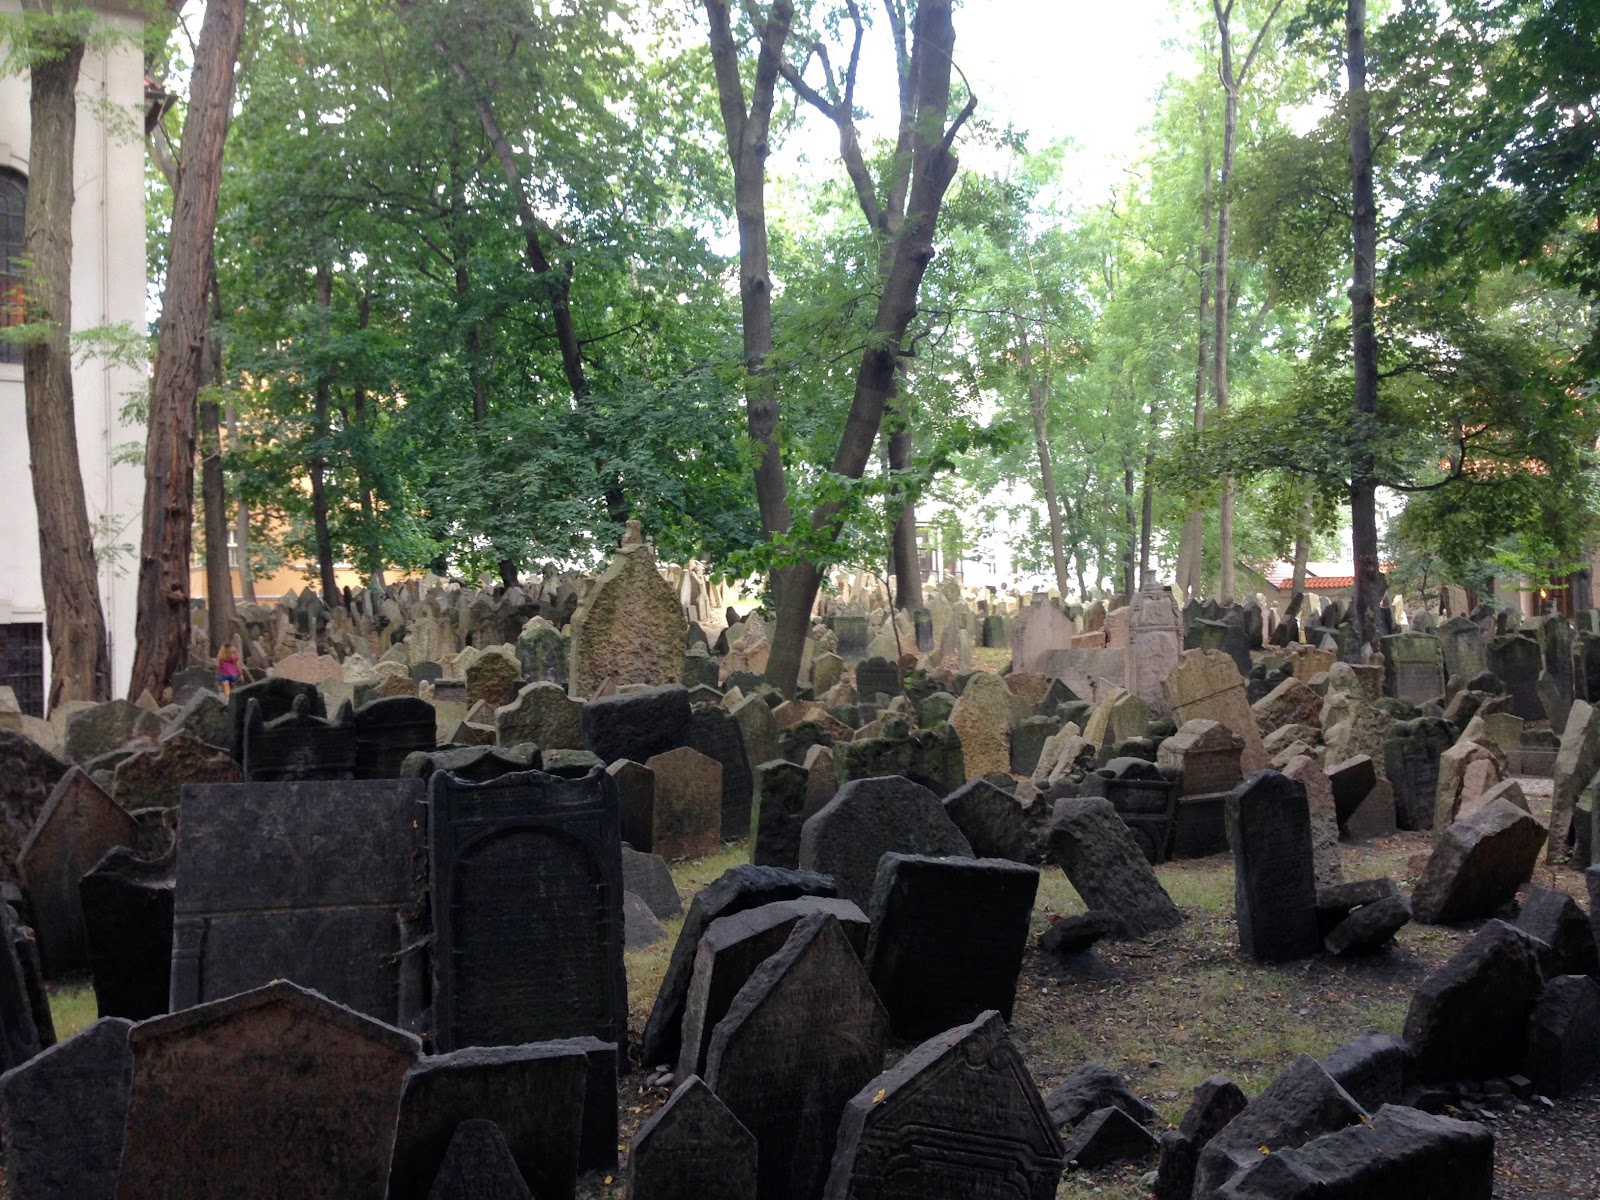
(1364, 235)
(247, 580)
(1191, 549)
(319, 459)
(907, 566)
(369, 521)
(162, 625)
(80, 666)
(1130, 535)
(1039, 404)
(1302, 548)
(213, 489)
(1146, 515)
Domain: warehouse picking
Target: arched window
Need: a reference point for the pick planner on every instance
(13, 198)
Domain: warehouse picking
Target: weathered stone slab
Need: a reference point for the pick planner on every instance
(717, 735)
(866, 819)
(389, 729)
(1108, 869)
(692, 1148)
(127, 917)
(629, 627)
(543, 714)
(1325, 856)
(637, 725)
(527, 910)
(154, 776)
(1478, 864)
(297, 746)
(28, 774)
(648, 877)
(1207, 684)
(276, 1092)
(1469, 1019)
(997, 824)
(1564, 1036)
(777, 813)
(478, 1166)
(958, 1117)
(1275, 892)
(686, 817)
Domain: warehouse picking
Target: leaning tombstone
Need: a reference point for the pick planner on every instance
(127, 918)
(804, 1034)
(314, 882)
(271, 1093)
(716, 735)
(526, 889)
(28, 774)
(1275, 890)
(866, 819)
(778, 813)
(636, 800)
(1107, 868)
(958, 1117)
(692, 1148)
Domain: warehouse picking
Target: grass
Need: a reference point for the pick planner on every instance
(72, 1007)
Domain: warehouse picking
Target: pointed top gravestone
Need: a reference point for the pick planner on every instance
(478, 1165)
(629, 628)
(692, 1148)
(866, 819)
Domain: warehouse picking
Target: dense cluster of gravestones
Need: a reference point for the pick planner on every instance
(398, 930)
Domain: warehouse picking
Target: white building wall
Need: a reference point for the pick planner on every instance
(108, 288)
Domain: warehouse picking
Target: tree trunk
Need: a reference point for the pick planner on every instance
(213, 489)
(80, 666)
(1219, 352)
(162, 626)
(247, 580)
(1039, 403)
(1130, 536)
(369, 522)
(1302, 548)
(319, 459)
(1364, 233)
(907, 566)
(1191, 543)
(1146, 514)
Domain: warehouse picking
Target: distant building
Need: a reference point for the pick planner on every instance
(108, 289)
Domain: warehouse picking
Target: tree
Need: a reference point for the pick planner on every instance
(1364, 353)
(162, 624)
(51, 42)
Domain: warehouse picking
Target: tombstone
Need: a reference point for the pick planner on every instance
(866, 819)
(637, 725)
(1155, 646)
(127, 917)
(877, 675)
(527, 910)
(492, 678)
(276, 698)
(716, 734)
(1469, 1019)
(544, 653)
(1564, 1036)
(1478, 863)
(28, 775)
(77, 827)
(534, 1094)
(387, 730)
(803, 1036)
(1206, 754)
(629, 627)
(1516, 660)
(687, 805)
(648, 877)
(1413, 667)
(636, 799)
(853, 634)
(474, 763)
(271, 1093)
(1411, 757)
(826, 670)
(923, 622)
(297, 746)
(997, 824)
(101, 728)
(478, 1165)
(61, 1115)
(1206, 684)
(314, 882)
(692, 1148)
(777, 813)
(737, 889)
(542, 714)
(1107, 868)
(759, 729)
(1275, 893)
(1554, 636)
(930, 757)
(733, 947)
(1145, 796)
(958, 1117)
(1046, 630)
(948, 936)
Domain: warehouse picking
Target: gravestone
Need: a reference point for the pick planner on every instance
(759, 727)
(777, 813)
(297, 746)
(930, 757)
(686, 816)
(478, 1166)
(77, 827)
(648, 877)
(866, 819)
(1516, 660)
(636, 800)
(527, 910)
(1413, 667)
(533, 1093)
(877, 675)
(1107, 868)
(948, 936)
(543, 653)
(474, 763)
(1275, 891)
(492, 678)
(61, 1116)
(99, 729)
(1469, 1019)
(997, 824)
(28, 774)
(803, 1036)
(629, 627)
(154, 777)
(276, 699)
(1463, 648)
(637, 725)
(715, 733)
(1145, 796)
(1155, 646)
(543, 714)
(1478, 863)
(1207, 684)
(958, 1117)
(1206, 754)
(1411, 755)
(387, 730)
(26, 1026)
(127, 918)
(271, 1093)
(853, 635)
(314, 882)
(692, 1148)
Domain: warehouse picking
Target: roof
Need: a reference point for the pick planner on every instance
(1320, 576)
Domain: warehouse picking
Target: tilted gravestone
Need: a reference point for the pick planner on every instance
(298, 745)
(636, 800)
(692, 1148)
(958, 1117)
(127, 917)
(313, 882)
(77, 827)
(1516, 660)
(61, 1115)
(866, 819)
(733, 947)
(274, 1092)
(478, 1165)
(948, 936)
(1275, 890)
(527, 910)
(1107, 868)
(387, 730)
(803, 1036)
(533, 1093)
(1411, 757)
(1469, 1019)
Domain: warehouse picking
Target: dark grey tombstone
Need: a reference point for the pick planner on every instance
(958, 1117)
(777, 813)
(389, 729)
(597, 1147)
(1516, 660)
(276, 698)
(20, 1029)
(948, 936)
(714, 732)
(922, 621)
(1564, 1036)
(1411, 761)
(733, 947)
(1106, 867)
(27, 952)
(804, 1035)
(1275, 888)
(1469, 1019)
(1463, 647)
(648, 877)
(877, 675)
(737, 889)
(478, 1166)
(298, 745)
(527, 910)
(1554, 636)
(61, 1115)
(127, 918)
(1145, 795)
(692, 1148)
(534, 1093)
(636, 799)
(866, 819)
(853, 637)
(315, 882)
(476, 764)
(637, 725)
(28, 774)
(1413, 667)
(997, 824)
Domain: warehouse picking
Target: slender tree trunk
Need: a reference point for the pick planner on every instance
(247, 580)
(80, 666)
(162, 627)
(369, 522)
(907, 566)
(1039, 404)
(1302, 548)
(1364, 232)
(319, 460)
(1146, 515)
(213, 488)
(1130, 536)
(1191, 549)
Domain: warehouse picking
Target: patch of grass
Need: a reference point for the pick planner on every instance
(72, 1007)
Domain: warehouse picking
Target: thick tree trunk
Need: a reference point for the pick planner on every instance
(162, 627)
(80, 667)
(213, 489)
(247, 580)
(319, 459)
(1039, 405)
(1364, 233)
